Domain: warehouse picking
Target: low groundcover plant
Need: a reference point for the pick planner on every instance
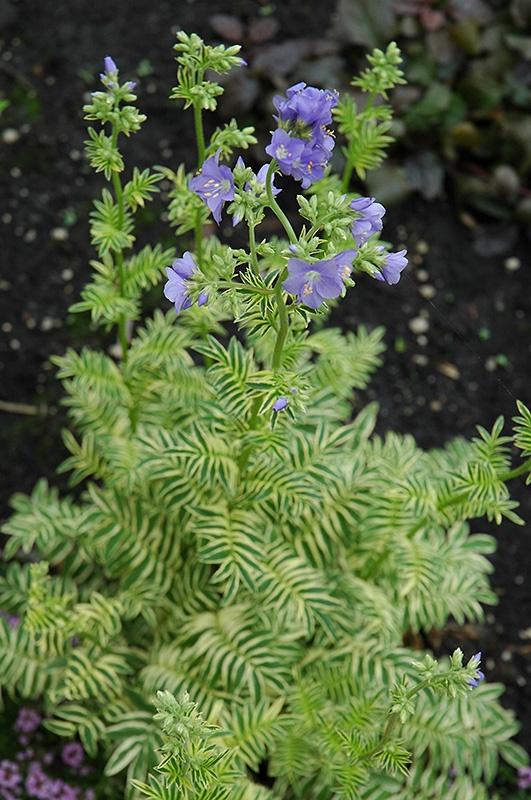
(245, 559)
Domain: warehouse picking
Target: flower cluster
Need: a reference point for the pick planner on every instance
(26, 776)
(28, 720)
(176, 288)
(303, 143)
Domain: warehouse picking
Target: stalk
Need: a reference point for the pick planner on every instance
(201, 149)
(119, 195)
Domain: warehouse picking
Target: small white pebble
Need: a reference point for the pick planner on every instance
(490, 364)
(506, 655)
(30, 236)
(31, 323)
(115, 350)
(10, 136)
(7, 218)
(7, 327)
(24, 192)
(520, 680)
(422, 340)
(422, 247)
(59, 234)
(14, 344)
(67, 274)
(15, 172)
(512, 263)
(525, 633)
(46, 324)
(420, 359)
(436, 405)
(422, 275)
(419, 325)
(428, 291)
(4, 286)
(75, 155)
(519, 579)
(490, 664)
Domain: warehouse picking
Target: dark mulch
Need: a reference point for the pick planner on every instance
(458, 325)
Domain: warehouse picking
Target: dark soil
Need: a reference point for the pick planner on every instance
(458, 325)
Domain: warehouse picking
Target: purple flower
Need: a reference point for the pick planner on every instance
(28, 720)
(286, 149)
(176, 288)
(280, 404)
(369, 221)
(302, 144)
(306, 104)
(109, 66)
(524, 777)
(315, 282)
(37, 783)
(59, 790)
(73, 754)
(110, 72)
(11, 619)
(478, 676)
(214, 185)
(392, 267)
(304, 160)
(10, 776)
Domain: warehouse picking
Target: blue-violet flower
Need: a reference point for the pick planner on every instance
(280, 404)
(214, 185)
(176, 288)
(369, 220)
(392, 267)
(313, 283)
(478, 676)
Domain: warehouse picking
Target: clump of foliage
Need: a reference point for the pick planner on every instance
(242, 544)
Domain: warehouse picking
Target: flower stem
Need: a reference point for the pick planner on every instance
(200, 141)
(282, 322)
(119, 195)
(274, 206)
(347, 175)
(199, 134)
(252, 248)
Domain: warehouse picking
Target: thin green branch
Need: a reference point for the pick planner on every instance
(274, 206)
(252, 249)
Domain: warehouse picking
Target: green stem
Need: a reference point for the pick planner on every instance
(242, 287)
(347, 175)
(201, 151)
(274, 206)
(282, 320)
(199, 134)
(252, 248)
(517, 471)
(122, 321)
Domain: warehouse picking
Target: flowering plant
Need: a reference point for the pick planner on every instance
(241, 536)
